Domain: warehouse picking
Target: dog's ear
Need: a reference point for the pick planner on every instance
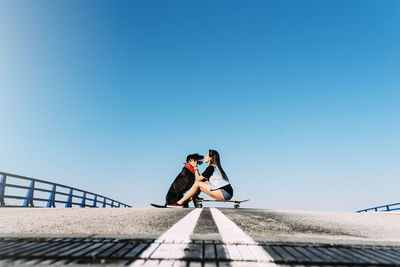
(199, 157)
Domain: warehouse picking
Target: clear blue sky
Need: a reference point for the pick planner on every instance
(301, 98)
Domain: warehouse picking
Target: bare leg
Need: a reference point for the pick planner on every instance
(194, 190)
(204, 187)
(196, 195)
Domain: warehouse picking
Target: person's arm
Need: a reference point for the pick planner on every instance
(206, 174)
(199, 177)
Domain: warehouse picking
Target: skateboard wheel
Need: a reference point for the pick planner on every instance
(199, 205)
(237, 206)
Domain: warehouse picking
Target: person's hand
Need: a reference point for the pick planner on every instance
(193, 162)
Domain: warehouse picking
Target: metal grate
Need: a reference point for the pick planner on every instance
(77, 251)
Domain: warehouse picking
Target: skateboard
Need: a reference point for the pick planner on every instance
(158, 206)
(161, 206)
(236, 205)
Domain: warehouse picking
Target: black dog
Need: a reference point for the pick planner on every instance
(184, 181)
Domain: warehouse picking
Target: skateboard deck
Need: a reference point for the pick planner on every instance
(162, 206)
(157, 206)
(236, 205)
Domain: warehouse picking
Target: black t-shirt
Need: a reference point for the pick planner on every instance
(208, 172)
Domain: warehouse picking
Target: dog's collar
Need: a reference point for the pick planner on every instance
(190, 167)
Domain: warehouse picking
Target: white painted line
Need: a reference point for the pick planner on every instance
(163, 263)
(170, 251)
(235, 238)
(230, 232)
(246, 252)
(179, 234)
(233, 253)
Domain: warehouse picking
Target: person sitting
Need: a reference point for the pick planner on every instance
(218, 185)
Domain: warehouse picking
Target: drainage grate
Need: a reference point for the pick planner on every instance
(108, 251)
(72, 250)
(349, 255)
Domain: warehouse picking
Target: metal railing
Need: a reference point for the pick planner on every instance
(53, 194)
(388, 207)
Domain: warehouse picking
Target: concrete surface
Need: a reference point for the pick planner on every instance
(318, 225)
(296, 226)
(76, 222)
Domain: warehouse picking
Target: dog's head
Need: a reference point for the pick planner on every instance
(196, 157)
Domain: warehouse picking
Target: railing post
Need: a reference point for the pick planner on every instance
(2, 189)
(29, 195)
(83, 204)
(104, 202)
(112, 203)
(52, 198)
(95, 201)
(119, 204)
(69, 201)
